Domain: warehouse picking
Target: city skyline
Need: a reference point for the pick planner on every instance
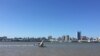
(24, 18)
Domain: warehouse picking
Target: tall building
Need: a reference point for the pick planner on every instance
(79, 35)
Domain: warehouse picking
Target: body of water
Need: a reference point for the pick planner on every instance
(51, 49)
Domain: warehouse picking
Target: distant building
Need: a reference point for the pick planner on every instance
(59, 39)
(79, 35)
(84, 37)
(98, 39)
(63, 38)
(49, 38)
(53, 40)
(66, 38)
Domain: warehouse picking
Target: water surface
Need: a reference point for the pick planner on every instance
(51, 49)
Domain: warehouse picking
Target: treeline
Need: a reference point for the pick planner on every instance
(26, 39)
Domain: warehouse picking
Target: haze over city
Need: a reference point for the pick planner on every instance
(49, 17)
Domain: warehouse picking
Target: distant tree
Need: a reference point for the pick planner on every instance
(32, 39)
(38, 39)
(45, 39)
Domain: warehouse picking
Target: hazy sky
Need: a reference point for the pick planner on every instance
(49, 17)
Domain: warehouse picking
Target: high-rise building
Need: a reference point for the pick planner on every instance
(79, 35)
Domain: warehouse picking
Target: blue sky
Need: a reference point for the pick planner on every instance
(49, 17)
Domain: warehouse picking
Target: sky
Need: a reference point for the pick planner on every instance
(23, 18)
